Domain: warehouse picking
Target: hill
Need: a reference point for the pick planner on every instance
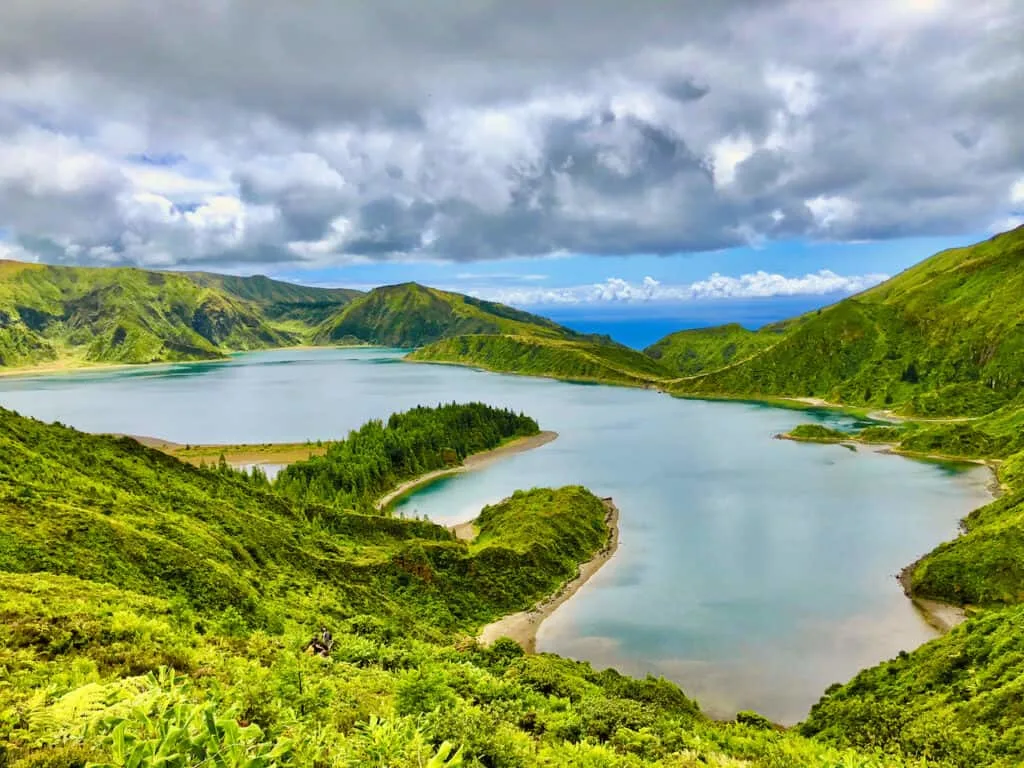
(690, 352)
(412, 315)
(943, 338)
(280, 301)
(155, 613)
(121, 316)
(573, 360)
(958, 699)
(73, 315)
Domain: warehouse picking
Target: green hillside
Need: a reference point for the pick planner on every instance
(575, 360)
(687, 353)
(412, 315)
(280, 301)
(958, 699)
(155, 614)
(944, 338)
(121, 316)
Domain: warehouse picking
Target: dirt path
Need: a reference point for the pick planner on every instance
(476, 461)
(522, 627)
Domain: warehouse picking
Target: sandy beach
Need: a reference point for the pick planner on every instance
(476, 461)
(523, 626)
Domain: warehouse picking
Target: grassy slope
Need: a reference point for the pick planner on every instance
(74, 314)
(959, 698)
(118, 562)
(945, 337)
(281, 302)
(539, 356)
(690, 352)
(985, 564)
(121, 316)
(411, 315)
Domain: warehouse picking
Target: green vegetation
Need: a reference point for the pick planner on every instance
(353, 473)
(883, 434)
(957, 700)
(574, 360)
(816, 433)
(412, 315)
(984, 565)
(958, 440)
(155, 614)
(78, 314)
(687, 353)
(942, 338)
(75, 315)
(278, 301)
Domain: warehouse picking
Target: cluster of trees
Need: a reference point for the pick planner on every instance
(373, 459)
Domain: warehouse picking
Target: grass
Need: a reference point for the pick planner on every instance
(412, 315)
(566, 359)
(941, 339)
(267, 453)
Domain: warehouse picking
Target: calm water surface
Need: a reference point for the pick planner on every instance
(755, 572)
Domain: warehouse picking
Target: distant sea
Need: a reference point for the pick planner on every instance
(639, 326)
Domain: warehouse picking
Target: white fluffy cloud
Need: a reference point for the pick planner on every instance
(1017, 193)
(754, 285)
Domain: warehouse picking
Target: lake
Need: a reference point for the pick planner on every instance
(755, 572)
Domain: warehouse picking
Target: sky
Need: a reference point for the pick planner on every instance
(587, 158)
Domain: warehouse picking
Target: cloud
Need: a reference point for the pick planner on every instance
(1017, 193)
(754, 285)
(320, 132)
(14, 252)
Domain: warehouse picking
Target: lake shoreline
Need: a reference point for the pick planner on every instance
(995, 485)
(470, 463)
(581, 380)
(70, 365)
(524, 625)
(940, 616)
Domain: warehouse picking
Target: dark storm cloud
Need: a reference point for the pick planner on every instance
(220, 131)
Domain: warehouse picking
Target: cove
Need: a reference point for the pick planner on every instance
(754, 572)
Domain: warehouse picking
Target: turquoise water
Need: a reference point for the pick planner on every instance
(755, 572)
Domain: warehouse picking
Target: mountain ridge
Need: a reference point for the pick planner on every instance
(57, 315)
